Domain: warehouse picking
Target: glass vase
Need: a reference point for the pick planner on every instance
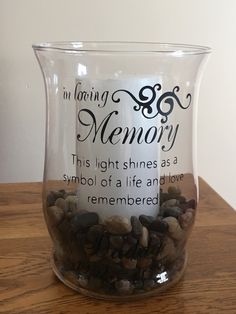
(120, 188)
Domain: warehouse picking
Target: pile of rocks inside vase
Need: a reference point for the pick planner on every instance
(119, 255)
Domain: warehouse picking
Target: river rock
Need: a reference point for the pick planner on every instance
(103, 246)
(71, 204)
(168, 251)
(186, 219)
(146, 220)
(116, 242)
(143, 241)
(159, 225)
(50, 199)
(175, 231)
(181, 199)
(95, 233)
(170, 203)
(61, 203)
(136, 227)
(165, 197)
(131, 240)
(83, 220)
(191, 204)
(118, 225)
(55, 215)
(172, 211)
(174, 190)
(154, 243)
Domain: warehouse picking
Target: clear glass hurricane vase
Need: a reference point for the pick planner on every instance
(120, 188)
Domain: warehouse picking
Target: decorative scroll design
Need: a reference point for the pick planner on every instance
(144, 102)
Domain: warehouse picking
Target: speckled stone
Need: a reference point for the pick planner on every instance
(118, 225)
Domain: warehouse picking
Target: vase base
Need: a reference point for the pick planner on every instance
(126, 290)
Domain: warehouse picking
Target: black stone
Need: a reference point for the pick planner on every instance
(84, 220)
(146, 220)
(95, 233)
(103, 246)
(136, 226)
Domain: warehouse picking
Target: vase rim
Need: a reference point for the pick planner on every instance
(174, 49)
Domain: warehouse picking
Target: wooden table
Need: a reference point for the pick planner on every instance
(27, 284)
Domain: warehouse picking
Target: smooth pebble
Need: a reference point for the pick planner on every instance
(143, 241)
(55, 215)
(175, 231)
(118, 225)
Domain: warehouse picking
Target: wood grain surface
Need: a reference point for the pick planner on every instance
(28, 285)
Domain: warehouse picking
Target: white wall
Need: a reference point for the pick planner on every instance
(205, 22)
